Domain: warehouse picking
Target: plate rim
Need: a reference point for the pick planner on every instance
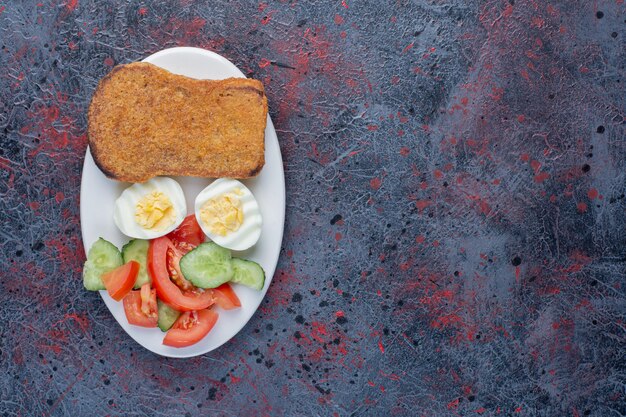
(281, 188)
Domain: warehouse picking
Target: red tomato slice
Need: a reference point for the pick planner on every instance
(189, 231)
(174, 253)
(121, 280)
(148, 301)
(225, 297)
(190, 328)
(167, 291)
(139, 310)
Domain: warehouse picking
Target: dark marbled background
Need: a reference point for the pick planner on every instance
(455, 238)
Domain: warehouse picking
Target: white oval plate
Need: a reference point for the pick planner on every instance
(97, 201)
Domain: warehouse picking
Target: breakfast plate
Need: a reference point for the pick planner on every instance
(97, 204)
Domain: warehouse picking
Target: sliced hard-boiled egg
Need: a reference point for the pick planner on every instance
(150, 209)
(229, 214)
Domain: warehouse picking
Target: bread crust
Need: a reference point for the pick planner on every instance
(144, 121)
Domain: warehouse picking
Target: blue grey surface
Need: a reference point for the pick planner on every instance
(455, 235)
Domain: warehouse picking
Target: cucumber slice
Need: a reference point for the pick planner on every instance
(137, 250)
(167, 316)
(103, 257)
(207, 266)
(248, 273)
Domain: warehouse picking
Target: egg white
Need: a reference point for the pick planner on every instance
(249, 231)
(125, 206)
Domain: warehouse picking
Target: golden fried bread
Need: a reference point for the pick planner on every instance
(145, 121)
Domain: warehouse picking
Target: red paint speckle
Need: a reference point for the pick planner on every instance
(59, 197)
(454, 404)
(142, 11)
(344, 4)
(535, 165)
(109, 62)
(264, 63)
(581, 207)
(267, 18)
(521, 118)
(422, 204)
(508, 11)
(446, 320)
(541, 177)
(407, 48)
(404, 151)
(524, 157)
(438, 174)
(375, 183)
(537, 21)
(592, 193)
(338, 19)
(372, 127)
(381, 347)
(338, 237)
(71, 5)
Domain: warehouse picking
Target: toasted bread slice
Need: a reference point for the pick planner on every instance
(145, 121)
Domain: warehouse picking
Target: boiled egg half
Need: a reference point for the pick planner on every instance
(150, 209)
(229, 214)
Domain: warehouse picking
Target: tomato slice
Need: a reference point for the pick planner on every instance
(225, 297)
(190, 328)
(141, 307)
(121, 280)
(189, 231)
(148, 301)
(174, 253)
(167, 291)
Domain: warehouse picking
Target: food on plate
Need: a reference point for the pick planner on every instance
(248, 273)
(174, 254)
(120, 281)
(144, 121)
(229, 214)
(190, 328)
(189, 232)
(187, 279)
(140, 307)
(167, 316)
(150, 210)
(137, 250)
(103, 257)
(207, 266)
(225, 297)
(167, 290)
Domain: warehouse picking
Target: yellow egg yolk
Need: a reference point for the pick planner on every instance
(223, 214)
(155, 211)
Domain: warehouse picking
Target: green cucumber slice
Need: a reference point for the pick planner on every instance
(167, 316)
(248, 273)
(103, 257)
(137, 250)
(207, 266)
